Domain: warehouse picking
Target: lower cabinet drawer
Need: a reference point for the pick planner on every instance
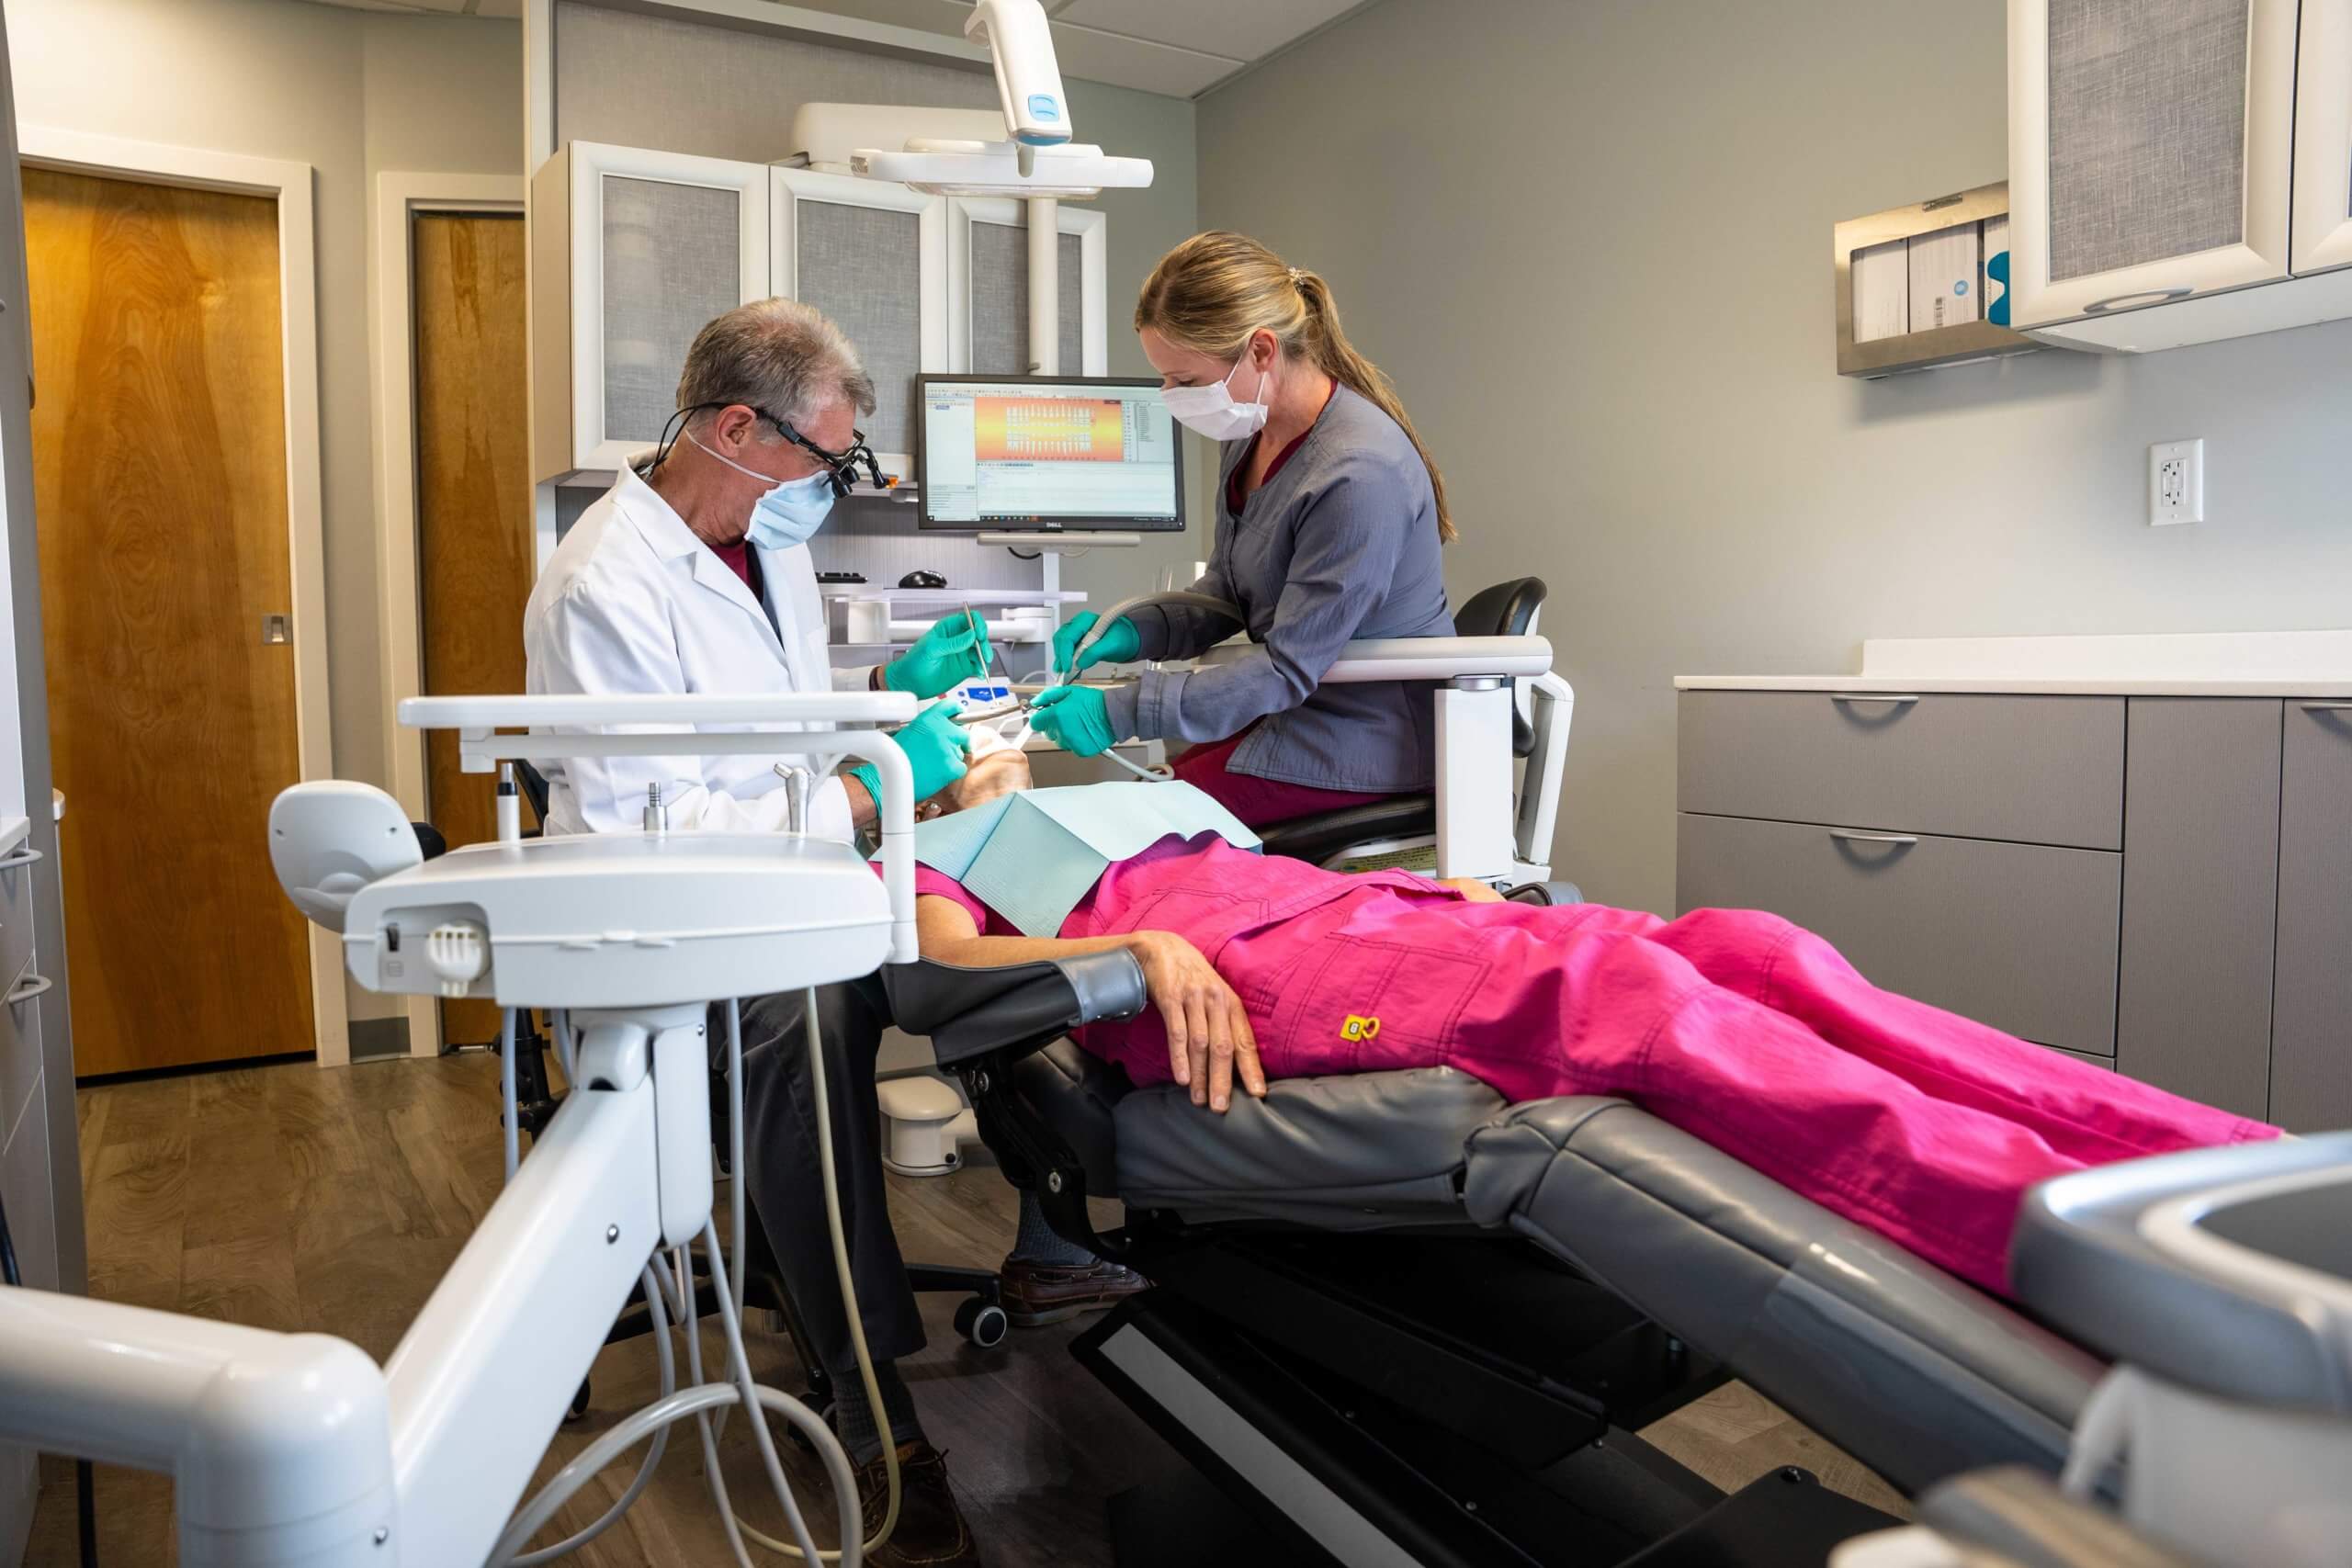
(2020, 936)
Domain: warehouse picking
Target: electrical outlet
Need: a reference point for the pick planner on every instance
(2177, 482)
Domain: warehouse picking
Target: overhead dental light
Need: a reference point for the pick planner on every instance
(1037, 157)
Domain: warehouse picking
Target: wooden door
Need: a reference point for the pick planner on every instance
(159, 467)
(473, 501)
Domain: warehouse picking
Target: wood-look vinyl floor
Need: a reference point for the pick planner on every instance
(295, 1198)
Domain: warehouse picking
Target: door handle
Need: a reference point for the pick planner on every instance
(23, 855)
(2140, 297)
(1856, 836)
(28, 988)
(1874, 696)
(2325, 707)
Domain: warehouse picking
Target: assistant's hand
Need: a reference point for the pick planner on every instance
(935, 744)
(954, 648)
(1074, 718)
(1210, 1042)
(1120, 642)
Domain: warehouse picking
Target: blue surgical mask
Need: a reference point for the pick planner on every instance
(791, 510)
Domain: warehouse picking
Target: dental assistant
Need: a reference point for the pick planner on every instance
(1330, 518)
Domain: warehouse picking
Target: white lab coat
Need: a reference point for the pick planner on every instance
(632, 601)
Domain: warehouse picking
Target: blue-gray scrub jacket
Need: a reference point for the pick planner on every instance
(1342, 542)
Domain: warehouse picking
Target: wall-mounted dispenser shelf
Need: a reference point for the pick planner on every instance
(1915, 283)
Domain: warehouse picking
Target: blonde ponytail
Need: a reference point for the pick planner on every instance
(1212, 291)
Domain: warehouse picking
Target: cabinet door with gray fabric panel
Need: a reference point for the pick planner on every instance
(2029, 769)
(2019, 936)
(2310, 1046)
(2201, 891)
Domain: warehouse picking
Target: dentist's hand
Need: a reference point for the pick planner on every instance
(1120, 643)
(1210, 1042)
(935, 744)
(954, 648)
(1074, 718)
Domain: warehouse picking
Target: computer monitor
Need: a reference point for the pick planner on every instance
(1037, 453)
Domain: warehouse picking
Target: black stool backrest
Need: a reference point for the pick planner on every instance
(1508, 609)
(534, 783)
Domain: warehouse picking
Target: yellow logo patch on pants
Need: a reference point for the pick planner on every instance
(1357, 1028)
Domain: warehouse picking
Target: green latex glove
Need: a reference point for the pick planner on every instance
(952, 651)
(1118, 644)
(1074, 718)
(935, 744)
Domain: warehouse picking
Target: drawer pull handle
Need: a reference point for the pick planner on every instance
(23, 855)
(1854, 835)
(1874, 696)
(2326, 707)
(28, 988)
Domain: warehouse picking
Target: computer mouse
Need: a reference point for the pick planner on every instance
(922, 579)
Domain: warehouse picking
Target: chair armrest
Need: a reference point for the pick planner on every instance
(1008, 1011)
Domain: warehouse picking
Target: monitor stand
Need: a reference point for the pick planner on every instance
(1052, 545)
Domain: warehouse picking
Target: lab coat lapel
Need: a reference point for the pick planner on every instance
(667, 533)
(790, 578)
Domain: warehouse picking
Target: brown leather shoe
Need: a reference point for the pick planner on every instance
(1038, 1293)
(930, 1531)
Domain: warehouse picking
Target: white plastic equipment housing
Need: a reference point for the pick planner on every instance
(648, 724)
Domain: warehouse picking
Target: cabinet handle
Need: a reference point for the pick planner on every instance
(28, 988)
(1855, 836)
(23, 855)
(2325, 707)
(2141, 296)
(1874, 697)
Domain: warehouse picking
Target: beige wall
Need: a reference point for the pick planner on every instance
(1591, 244)
(689, 88)
(349, 92)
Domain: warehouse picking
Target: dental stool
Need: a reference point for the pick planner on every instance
(1398, 1321)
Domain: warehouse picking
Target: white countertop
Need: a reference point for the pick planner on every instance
(2315, 664)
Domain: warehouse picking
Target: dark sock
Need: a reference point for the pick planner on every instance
(1040, 1243)
(854, 1417)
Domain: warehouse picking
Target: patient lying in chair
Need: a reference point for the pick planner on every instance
(1734, 1025)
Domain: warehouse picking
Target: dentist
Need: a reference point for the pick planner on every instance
(691, 574)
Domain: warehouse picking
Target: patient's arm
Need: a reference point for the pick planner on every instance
(1209, 1038)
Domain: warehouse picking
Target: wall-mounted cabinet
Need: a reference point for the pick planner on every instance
(633, 250)
(987, 287)
(2176, 175)
(874, 257)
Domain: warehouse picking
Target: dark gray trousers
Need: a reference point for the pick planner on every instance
(785, 1180)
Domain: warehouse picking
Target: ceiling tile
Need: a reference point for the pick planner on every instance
(1238, 30)
(1095, 56)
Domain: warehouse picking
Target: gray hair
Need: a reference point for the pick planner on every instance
(782, 357)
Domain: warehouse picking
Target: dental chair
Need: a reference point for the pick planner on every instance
(1397, 1321)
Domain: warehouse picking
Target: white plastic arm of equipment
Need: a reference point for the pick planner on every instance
(658, 719)
(1028, 77)
(275, 1440)
(1439, 658)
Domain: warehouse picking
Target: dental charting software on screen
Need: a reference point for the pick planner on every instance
(1007, 453)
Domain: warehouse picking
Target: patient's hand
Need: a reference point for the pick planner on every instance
(1476, 891)
(1209, 1038)
(997, 772)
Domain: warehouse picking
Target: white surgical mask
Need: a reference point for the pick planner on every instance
(791, 509)
(1211, 410)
